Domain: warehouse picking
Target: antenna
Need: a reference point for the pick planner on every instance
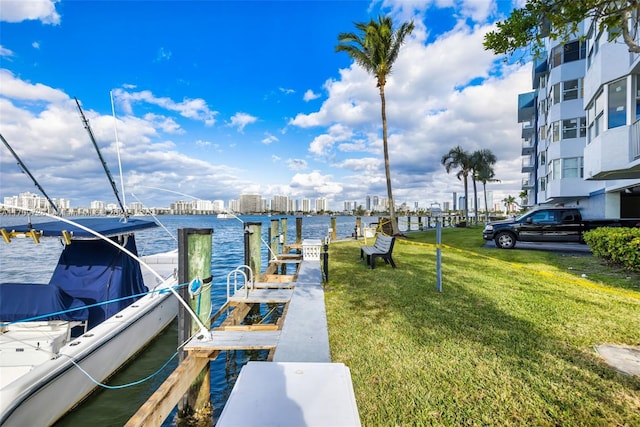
(25, 170)
(115, 129)
(104, 164)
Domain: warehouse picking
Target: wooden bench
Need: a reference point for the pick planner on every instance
(381, 249)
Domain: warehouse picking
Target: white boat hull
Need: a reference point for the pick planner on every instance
(51, 389)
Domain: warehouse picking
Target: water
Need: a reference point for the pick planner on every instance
(115, 407)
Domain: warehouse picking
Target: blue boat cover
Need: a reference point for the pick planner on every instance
(107, 226)
(19, 301)
(95, 271)
(88, 272)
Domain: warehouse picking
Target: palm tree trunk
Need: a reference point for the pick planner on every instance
(466, 198)
(475, 196)
(486, 208)
(387, 169)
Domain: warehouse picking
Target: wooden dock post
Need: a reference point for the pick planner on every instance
(299, 230)
(358, 231)
(333, 228)
(252, 242)
(194, 263)
(283, 230)
(274, 243)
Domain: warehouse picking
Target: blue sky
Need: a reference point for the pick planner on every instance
(218, 98)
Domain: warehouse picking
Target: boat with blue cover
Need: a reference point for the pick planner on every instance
(102, 305)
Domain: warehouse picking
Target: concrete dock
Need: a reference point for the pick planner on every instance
(298, 386)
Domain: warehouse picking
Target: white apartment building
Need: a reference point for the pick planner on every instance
(581, 127)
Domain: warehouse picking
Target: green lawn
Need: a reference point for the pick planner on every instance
(509, 341)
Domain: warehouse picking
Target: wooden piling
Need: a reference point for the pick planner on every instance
(283, 229)
(333, 228)
(299, 230)
(358, 230)
(252, 242)
(194, 263)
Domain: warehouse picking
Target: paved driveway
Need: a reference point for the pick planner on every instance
(566, 248)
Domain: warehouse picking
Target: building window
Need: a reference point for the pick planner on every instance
(568, 52)
(570, 90)
(569, 128)
(617, 111)
(554, 173)
(595, 116)
(572, 167)
(543, 132)
(555, 94)
(543, 158)
(555, 131)
(583, 127)
(543, 183)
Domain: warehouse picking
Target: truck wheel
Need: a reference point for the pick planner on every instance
(505, 240)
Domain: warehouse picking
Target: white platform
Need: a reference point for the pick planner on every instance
(291, 394)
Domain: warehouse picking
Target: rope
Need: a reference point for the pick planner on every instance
(121, 386)
(56, 313)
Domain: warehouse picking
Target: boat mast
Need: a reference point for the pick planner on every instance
(25, 170)
(115, 129)
(104, 164)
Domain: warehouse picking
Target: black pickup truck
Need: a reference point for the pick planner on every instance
(547, 225)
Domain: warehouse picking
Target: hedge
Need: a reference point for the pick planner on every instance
(618, 245)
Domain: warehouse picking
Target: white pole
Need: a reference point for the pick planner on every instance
(115, 129)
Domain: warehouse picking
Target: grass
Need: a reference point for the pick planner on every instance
(509, 341)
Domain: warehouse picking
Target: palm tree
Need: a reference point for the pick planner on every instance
(483, 161)
(458, 158)
(509, 201)
(375, 49)
(524, 197)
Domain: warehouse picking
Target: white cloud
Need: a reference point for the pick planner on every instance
(166, 124)
(27, 10)
(35, 45)
(240, 120)
(14, 88)
(439, 95)
(268, 138)
(297, 164)
(195, 109)
(5, 52)
(286, 91)
(316, 183)
(309, 95)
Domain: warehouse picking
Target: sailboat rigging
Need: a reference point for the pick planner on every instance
(104, 164)
(25, 170)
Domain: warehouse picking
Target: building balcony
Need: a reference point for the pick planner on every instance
(528, 129)
(527, 165)
(527, 106)
(615, 154)
(528, 147)
(527, 184)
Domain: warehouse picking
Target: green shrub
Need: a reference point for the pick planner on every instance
(618, 245)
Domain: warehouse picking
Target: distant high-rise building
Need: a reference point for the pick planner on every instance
(250, 203)
(321, 205)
